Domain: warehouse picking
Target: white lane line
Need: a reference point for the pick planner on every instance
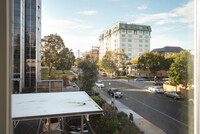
(159, 112)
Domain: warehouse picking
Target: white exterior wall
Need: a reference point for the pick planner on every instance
(134, 42)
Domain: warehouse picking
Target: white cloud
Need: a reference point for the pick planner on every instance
(76, 33)
(141, 7)
(87, 12)
(182, 14)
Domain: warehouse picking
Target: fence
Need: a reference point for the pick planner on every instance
(49, 86)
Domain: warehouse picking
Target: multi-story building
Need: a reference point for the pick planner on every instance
(26, 43)
(132, 38)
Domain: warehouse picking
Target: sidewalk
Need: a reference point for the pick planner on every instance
(144, 125)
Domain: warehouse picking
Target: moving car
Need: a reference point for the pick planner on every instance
(100, 84)
(156, 89)
(115, 93)
(173, 94)
(140, 79)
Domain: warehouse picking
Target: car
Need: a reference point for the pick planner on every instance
(100, 84)
(104, 74)
(157, 83)
(173, 94)
(156, 89)
(140, 79)
(115, 93)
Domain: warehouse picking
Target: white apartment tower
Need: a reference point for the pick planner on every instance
(132, 38)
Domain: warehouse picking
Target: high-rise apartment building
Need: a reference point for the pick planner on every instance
(26, 43)
(132, 38)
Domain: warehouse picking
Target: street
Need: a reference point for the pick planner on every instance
(172, 116)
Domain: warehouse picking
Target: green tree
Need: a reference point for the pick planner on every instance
(151, 61)
(107, 63)
(89, 74)
(181, 71)
(66, 60)
(134, 61)
(169, 59)
(52, 44)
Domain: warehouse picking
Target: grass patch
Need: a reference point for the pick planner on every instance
(57, 73)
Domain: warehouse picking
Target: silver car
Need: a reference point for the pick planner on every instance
(173, 94)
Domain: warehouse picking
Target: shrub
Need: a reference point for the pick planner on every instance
(65, 81)
(98, 100)
(125, 126)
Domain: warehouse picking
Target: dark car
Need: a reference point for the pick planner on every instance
(173, 94)
(140, 79)
(115, 93)
(158, 83)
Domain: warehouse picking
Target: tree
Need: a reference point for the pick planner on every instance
(151, 61)
(134, 61)
(181, 71)
(53, 43)
(107, 63)
(66, 60)
(169, 59)
(89, 74)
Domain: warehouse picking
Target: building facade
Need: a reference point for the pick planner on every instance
(26, 43)
(132, 38)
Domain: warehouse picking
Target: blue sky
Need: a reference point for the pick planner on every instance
(80, 22)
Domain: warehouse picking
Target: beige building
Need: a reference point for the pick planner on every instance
(132, 38)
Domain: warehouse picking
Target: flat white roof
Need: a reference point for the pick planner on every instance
(43, 105)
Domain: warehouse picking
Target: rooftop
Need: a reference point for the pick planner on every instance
(168, 49)
(41, 105)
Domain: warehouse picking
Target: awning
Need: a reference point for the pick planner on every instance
(49, 105)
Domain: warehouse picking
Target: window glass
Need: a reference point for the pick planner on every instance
(146, 37)
(140, 36)
(140, 40)
(123, 45)
(123, 40)
(129, 49)
(140, 31)
(129, 31)
(123, 31)
(146, 41)
(146, 45)
(140, 45)
(123, 35)
(129, 45)
(129, 40)
(140, 50)
(129, 35)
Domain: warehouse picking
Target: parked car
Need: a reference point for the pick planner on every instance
(140, 79)
(157, 83)
(115, 93)
(156, 89)
(173, 94)
(104, 74)
(100, 84)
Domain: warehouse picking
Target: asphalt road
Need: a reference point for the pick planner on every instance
(172, 116)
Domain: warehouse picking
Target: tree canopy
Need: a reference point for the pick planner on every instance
(66, 59)
(89, 74)
(54, 53)
(151, 61)
(181, 71)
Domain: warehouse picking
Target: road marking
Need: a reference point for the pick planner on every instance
(159, 112)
